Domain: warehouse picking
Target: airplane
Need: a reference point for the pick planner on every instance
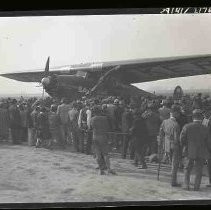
(114, 77)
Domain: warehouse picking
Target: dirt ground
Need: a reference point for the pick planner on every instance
(40, 175)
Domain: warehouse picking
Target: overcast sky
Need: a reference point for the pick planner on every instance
(26, 42)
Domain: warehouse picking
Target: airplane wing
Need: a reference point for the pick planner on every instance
(131, 71)
(37, 75)
(164, 68)
(34, 76)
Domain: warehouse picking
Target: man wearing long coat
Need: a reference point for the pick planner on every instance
(15, 122)
(169, 135)
(195, 140)
(140, 138)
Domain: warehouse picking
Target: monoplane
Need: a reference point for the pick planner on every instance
(114, 77)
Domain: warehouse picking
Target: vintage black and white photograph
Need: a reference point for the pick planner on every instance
(105, 108)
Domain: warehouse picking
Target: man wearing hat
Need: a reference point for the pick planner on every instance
(164, 111)
(73, 115)
(139, 138)
(118, 111)
(15, 122)
(55, 128)
(195, 140)
(153, 122)
(207, 122)
(169, 134)
(100, 127)
(127, 120)
(43, 132)
(111, 106)
(34, 115)
(62, 112)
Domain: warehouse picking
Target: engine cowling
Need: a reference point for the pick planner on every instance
(70, 86)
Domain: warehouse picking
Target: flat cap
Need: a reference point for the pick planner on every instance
(197, 111)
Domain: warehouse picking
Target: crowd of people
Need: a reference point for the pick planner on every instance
(166, 129)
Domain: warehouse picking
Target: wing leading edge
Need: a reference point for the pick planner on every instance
(133, 71)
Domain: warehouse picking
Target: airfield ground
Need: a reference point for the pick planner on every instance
(40, 175)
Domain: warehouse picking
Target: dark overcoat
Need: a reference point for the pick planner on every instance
(195, 138)
(139, 132)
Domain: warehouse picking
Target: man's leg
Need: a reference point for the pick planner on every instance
(67, 134)
(188, 166)
(175, 166)
(51, 140)
(75, 139)
(154, 145)
(38, 142)
(199, 163)
(54, 137)
(107, 161)
(63, 136)
(125, 146)
(89, 143)
(33, 136)
(18, 135)
(132, 149)
(118, 140)
(25, 133)
(13, 135)
(142, 157)
(108, 164)
(59, 138)
(149, 149)
(100, 159)
(137, 158)
(209, 171)
(81, 140)
(39, 138)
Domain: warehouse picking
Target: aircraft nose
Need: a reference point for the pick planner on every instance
(45, 81)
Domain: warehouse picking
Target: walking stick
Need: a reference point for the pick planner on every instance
(159, 158)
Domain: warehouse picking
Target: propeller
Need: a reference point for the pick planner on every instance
(45, 79)
(47, 67)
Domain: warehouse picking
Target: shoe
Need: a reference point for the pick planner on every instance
(102, 172)
(142, 167)
(195, 189)
(111, 172)
(135, 164)
(186, 188)
(176, 185)
(209, 185)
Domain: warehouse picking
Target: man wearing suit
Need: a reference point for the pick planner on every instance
(195, 140)
(15, 122)
(207, 122)
(140, 139)
(127, 120)
(62, 112)
(169, 135)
